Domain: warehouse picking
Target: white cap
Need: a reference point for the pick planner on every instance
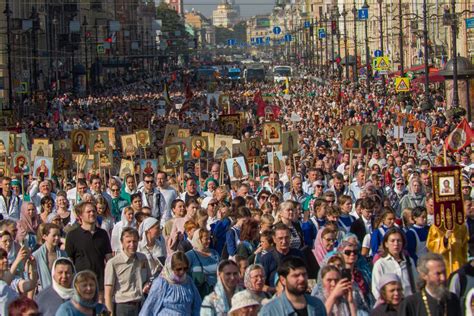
(242, 299)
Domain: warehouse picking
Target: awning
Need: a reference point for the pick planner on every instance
(433, 77)
(418, 68)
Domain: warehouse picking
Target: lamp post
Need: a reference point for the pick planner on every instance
(344, 14)
(354, 11)
(55, 48)
(333, 31)
(8, 13)
(367, 53)
(85, 24)
(326, 20)
(402, 53)
(34, 49)
(454, 31)
(425, 44)
(381, 42)
(338, 34)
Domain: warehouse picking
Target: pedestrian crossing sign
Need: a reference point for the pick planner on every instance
(402, 84)
(382, 64)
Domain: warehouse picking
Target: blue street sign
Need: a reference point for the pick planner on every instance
(267, 39)
(259, 40)
(288, 38)
(231, 42)
(276, 30)
(322, 33)
(470, 23)
(363, 14)
(307, 24)
(252, 40)
(378, 53)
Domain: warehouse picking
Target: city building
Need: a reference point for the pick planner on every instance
(225, 15)
(204, 30)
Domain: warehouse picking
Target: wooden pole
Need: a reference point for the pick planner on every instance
(350, 166)
(134, 173)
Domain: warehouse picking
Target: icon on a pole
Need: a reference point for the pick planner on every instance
(402, 84)
(276, 30)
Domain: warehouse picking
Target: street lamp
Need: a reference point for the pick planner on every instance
(454, 34)
(344, 14)
(402, 53)
(367, 53)
(85, 24)
(354, 11)
(425, 44)
(381, 42)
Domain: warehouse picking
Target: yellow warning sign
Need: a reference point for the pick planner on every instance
(402, 84)
(382, 63)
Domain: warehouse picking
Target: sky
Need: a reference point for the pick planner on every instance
(248, 8)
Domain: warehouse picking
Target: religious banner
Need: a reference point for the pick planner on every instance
(230, 125)
(272, 133)
(199, 145)
(290, 142)
(448, 202)
(237, 168)
(460, 137)
(21, 163)
(351, 138)
(174, 155)
(143, 138)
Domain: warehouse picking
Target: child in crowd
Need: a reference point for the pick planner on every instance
(345, 219)
(266, 245)
(417, 234)
(385, 221)
(319, 213)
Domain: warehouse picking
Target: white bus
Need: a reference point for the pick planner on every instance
(280, 73)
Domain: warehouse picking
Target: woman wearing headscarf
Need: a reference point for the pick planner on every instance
(220, 300)
(391, 295)
(28, 225)
(203, 262)
(152, 244)
(128, 220)
(60, 291)
(415, 196)
(254, 282)
(182, 296)
(325, 241)
(85, 298)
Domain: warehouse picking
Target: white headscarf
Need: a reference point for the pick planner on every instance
(64, 293)
(145, 226)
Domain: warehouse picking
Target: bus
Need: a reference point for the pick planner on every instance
(280, 73)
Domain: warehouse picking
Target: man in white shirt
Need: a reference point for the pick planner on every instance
(169, 194)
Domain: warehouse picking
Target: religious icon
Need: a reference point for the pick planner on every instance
(351, 137)
(239, 150)
(79, 141)
(230, 125)
(210, 140)
(170, 132)
(126, 168)
(276, 160)
(129, 145)
(105, 160)
(4, 143)
(446, 186)
(369, 136)
(98, 142)
(222, 147)
(254, 147)
(185, 146)
(143, 138)
(43, 167)
(199, 147)
(40, 150)
(272, 133)
(237, 168)
(149, 166)
(21, 163)
(290, 142)
(63, 144)
(184, 132)
(21, 142)
(111, 132)
(457, 139)
(174, 155)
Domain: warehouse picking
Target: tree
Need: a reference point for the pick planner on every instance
(173, 30)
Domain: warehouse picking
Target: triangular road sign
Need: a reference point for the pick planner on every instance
(402, 84)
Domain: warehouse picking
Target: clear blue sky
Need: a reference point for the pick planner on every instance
(247, 7)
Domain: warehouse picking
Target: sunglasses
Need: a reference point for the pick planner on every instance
(350, 252)
(262, 197)
(184, 269)
(149, 181)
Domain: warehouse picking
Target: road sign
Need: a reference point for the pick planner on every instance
(288, 38)
(259, 40)
(100, 49)
(378, 53)
(402, 84)
(276, 30)
(231, 42)
(307, 24)
(363, 14)
(22, 88)
(322, 33)
(470, 23)
(382, 64)
(268, 40)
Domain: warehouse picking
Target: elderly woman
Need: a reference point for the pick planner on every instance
(182, 296)
(335, 292)
(254, 281)
(286, 213)
(391, 295)
(203, 262)
(394, 261)
(243, 303)
(85, 300)
(28, 225)
(219, 302)
(152, 244)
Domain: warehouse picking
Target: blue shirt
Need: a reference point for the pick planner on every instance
(67, 309)
(282, 306)
(209, 265)
(271, 260)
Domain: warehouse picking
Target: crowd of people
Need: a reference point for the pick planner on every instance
(329, 232)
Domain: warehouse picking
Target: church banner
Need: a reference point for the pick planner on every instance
(448, 200)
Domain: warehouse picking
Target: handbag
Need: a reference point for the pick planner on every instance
(200, 279)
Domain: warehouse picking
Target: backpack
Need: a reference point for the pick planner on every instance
(218, 233)
(225, 252)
